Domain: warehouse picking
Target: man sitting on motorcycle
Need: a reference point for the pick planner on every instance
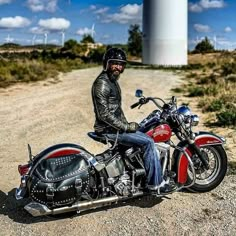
(110, 119)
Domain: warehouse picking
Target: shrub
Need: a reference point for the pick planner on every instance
(211, 64)
(177, 90)
(228, 68)
(196, 91)
(96, 55)
(215, 105)
(211, 79)
(212, 90)
(204, 46)
(227, 117)
(231, 78)
(229, 98)
(203, 80)
(196, 66)
(192, 75)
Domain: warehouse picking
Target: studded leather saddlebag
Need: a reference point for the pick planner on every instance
(59, 181)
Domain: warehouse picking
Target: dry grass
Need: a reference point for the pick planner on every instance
(215, 85)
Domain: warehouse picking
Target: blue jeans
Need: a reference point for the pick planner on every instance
(151, 160)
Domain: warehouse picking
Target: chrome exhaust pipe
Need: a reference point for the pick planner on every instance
(37, 209)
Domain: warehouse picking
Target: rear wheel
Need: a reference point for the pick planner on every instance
(206, 180)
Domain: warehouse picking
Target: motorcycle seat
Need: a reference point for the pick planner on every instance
(99, 138)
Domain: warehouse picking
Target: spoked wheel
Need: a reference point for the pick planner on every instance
(207, 180)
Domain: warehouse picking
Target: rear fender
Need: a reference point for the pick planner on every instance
(60, 150)
(180, 160)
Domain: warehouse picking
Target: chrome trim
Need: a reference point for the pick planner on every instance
(37, 209)
(20, 193)
(194, 120)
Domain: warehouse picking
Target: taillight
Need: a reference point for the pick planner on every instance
(23, 169)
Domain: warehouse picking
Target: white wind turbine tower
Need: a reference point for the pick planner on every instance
(62, 38)
(165, 45)
(92, 30)
(198, 40)
(215, 42)
(33, 39)
(8, 39)
(45, 38)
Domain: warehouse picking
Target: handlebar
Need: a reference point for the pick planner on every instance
(134, 105)
(144, 100)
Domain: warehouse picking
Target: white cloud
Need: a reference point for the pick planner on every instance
(84, 31)
(92, 7)
(95, 10)
(206, 4)
(39, 41)
(226, 44)
(5, 1)
(42, 5)
(101, 10)
(54, 41)
(106, 36)
(14, 22)
(54, 24)
(202, 28)
(227, 29)
(129, 14)
(195, 7)
(38, 30)
(212, 3)
(51, 6)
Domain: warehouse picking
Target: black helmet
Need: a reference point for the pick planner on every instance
(113, 54)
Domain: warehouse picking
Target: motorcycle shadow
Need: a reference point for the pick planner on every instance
(14, 209)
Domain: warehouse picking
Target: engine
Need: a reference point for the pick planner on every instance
(123, 186)
(122, 171)
(118, 177)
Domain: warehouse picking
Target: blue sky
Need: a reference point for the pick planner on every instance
(34, 21)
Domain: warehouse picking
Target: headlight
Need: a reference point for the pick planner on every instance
(194, 120)
(188, 117)
(184, 110)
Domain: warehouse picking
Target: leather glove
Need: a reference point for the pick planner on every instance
(132, 127)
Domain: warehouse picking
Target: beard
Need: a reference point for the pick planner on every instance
(115, 75)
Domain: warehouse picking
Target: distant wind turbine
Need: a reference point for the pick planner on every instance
(33, 39)
(62, 38)
(45, 38)
(215, 42)
(92, 30)
(9, 39)
(198, 40)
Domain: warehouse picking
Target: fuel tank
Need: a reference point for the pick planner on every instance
(160, 133)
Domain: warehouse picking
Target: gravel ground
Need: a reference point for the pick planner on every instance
(55, 111)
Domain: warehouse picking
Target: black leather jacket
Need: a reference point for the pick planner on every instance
(106, 95)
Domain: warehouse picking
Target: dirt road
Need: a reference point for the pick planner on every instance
(56, 111)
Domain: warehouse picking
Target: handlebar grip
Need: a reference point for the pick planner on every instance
(134, 105)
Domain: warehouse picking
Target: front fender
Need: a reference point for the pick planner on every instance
(180, 160)
(203, 138)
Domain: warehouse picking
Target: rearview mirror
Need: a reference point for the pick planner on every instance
(139, 93)
(174, 100)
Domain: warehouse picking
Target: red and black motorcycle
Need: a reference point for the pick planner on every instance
(66, 177)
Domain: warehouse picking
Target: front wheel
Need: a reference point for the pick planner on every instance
(206, 180)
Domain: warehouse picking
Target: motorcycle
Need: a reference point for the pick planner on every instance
(66, 177)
